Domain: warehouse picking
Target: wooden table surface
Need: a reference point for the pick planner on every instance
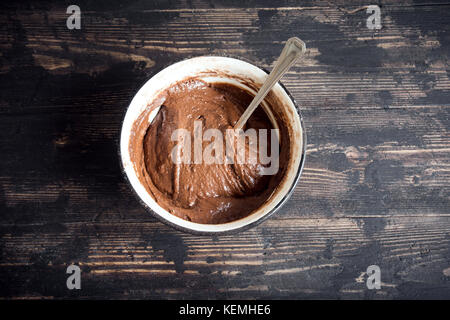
(374, 191)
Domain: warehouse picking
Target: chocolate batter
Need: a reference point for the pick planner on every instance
(201, 193)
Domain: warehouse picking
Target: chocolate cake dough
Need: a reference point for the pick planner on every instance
(201, 193)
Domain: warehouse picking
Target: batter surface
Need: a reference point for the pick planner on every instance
(202, 193)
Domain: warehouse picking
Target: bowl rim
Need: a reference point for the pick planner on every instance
(247, 226)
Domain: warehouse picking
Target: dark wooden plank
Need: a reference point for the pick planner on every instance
(375, 188)
(283, 258)
(365, 164)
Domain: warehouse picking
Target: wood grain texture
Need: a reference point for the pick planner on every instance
(375, 189)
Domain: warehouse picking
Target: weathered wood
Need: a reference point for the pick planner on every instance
(291, 258)
(375, 189)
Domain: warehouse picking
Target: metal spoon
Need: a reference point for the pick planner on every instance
(293, 50)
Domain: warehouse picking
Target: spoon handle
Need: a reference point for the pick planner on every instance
(293, 49)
